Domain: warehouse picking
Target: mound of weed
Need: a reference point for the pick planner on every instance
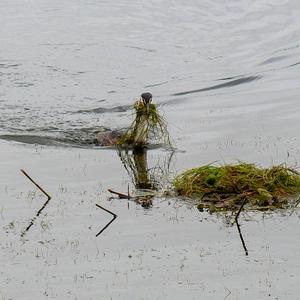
(226, 187)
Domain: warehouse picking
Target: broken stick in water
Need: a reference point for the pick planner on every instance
(241, 237)
(38, 186)
(240, 209)
(114, 217)
(120, 195)
(42, 208)
(144, 200)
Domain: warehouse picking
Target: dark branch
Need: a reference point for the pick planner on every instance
(42, 208)
(114, 217)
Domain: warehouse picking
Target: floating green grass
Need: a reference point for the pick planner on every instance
(148, 127)
(226, 187)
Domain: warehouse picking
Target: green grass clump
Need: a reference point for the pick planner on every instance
(225, 187)
(148, 127)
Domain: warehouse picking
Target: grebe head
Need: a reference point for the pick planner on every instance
(147, 98)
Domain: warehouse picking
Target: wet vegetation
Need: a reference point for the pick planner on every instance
(229, 187)
(148, 127)
(217, 188)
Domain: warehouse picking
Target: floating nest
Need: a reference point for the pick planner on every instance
(230, 186)
(148, 127)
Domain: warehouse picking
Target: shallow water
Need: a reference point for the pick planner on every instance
(226, 76)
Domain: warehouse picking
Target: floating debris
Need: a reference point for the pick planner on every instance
(120, 195)
(230, 187)
(145, 199)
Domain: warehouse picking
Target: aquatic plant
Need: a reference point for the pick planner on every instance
(227, 187)
(148, 127)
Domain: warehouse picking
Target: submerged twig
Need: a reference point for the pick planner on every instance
(241, 237)
(42, 208)
(114, 217)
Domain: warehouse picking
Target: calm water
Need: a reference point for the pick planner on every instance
(221, 69)
(226, 76)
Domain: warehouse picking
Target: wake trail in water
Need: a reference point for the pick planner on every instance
(220, 86)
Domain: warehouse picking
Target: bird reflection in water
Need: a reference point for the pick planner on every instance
(147, 181)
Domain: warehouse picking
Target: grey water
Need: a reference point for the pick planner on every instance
(225, 75)
(68, 68)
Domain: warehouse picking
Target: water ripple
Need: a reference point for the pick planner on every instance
(220, 86)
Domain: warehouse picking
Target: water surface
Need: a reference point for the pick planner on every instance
(226, 76)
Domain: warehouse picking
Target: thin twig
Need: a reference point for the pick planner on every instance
(114, 217)
(42, 208)
(38, 186)
(241, 237)
(121, 196)
(144, 200)
(240, 209)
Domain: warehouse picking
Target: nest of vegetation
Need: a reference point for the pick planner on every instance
(148, 127)
(228, 187)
